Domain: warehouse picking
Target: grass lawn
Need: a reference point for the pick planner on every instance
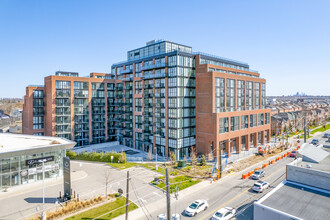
(181, 181)
(321, 129)
(95, 212)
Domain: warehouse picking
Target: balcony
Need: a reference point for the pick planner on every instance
(119, 88)
(61, 95)
(63, 122)
(154, 66)
(81, 112)
(63, 113)
(126, 71)
(154, 76)
(95, 120)
(63, 131)
(98, 103)
(77, 121)
(82, 129)
(147, 131)
(63, 105)
(98, 112)
(159, 125)
(81, 138)
(128, 79)
(128, 87)
(148, 86)
(119, 96)
(161, 115)
(148, 95)
(80, 95)
(147, 113)
(128, 95)
(97, 128)
(160, 85)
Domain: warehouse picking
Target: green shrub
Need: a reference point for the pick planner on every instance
(100, 157)
(203, 160)
(71, 154)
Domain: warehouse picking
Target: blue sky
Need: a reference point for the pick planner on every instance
(287, 41)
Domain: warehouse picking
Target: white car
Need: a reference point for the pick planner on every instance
(164, 217)
(196, 207)
(260, 186)
(224, 214)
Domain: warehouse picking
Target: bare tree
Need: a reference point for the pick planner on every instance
(193, 156)
(150, 156)
(107, 175)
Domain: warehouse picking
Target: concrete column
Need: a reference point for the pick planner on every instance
(255, 139)
(262, 137)
(247, 142)
(238, 144)
(268, 135)
(227, 148)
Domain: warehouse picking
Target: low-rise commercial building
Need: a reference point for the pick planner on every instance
(18, 153)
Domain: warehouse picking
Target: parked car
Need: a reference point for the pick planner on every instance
(315, 142)
(260, 186)
(326, 135)
(293, 154)
(224, 214)
(196, 207)
(164, 217)
(258, 174)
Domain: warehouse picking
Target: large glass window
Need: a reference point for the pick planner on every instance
(223, 125)
(256, 95)
(240, 95)
(219, 94)
(249, 102)
(244, 121)
(230, 95)
(234, 123)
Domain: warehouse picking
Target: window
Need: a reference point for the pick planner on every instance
(230, 95)
(263, 95)
(223, 125)
(240, 95)
(256, 95)
(266, 118)
(253, 121)
(260, 119)
(63, 84)
(219, 94)
(249, 103)
(234, 123)
(38, 94)
(244, 121)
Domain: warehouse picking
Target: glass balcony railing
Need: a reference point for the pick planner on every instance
(154, 66)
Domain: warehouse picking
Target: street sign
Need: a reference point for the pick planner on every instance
(31, 162)
(67, 177)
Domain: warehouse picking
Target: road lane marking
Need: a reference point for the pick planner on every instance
(245, 191)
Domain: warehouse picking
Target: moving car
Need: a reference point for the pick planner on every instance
(224, 214)
(260, 186)
(315, 141)
(258, 174)
(196, 207)
(293, 154)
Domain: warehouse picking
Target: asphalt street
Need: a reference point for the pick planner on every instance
(26, 200)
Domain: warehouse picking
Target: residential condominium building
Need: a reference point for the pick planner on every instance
(163, 98)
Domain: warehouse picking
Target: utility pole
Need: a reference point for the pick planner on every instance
(127, 189)
(43, 191)
(168, 198)
(220, 159)
(304, 129)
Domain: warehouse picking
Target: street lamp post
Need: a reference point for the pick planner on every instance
(43, 217)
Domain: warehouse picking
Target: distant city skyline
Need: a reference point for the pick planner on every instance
(287, 47)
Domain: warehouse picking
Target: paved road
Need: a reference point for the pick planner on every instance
(90, 181)
(230, 191)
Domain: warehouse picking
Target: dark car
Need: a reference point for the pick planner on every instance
(315, 142)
